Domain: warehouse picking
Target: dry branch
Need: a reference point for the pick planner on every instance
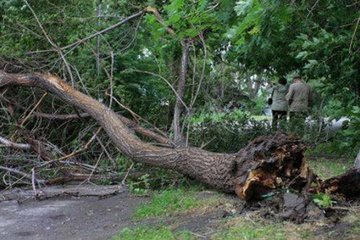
(7, 143)
(18, 172)
(156, 135)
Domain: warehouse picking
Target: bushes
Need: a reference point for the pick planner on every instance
(225, 131)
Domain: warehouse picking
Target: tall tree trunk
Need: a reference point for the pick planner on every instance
(179, 105)
(265, 164)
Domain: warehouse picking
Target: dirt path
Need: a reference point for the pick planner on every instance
(93, 218)
(77, 218)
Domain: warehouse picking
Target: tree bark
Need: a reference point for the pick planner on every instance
(179, 106)
(265, 164)
(357, 161)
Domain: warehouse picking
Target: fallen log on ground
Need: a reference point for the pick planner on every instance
(85, 190)
(267, 163)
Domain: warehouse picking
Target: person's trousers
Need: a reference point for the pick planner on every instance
(278, 120)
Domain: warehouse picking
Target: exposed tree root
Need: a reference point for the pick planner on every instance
(347, 184)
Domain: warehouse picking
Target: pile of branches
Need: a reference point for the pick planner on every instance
(30, 140)
(45, 142)
(39, 162)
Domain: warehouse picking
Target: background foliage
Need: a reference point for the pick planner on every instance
(244, 45)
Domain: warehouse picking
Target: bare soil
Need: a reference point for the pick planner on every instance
(67, 217)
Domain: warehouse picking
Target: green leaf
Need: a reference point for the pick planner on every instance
(242, 7)
(202, 5)
(302, 55)
(311, 63)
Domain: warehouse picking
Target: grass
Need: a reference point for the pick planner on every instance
(176, 202)
(166, 203)
(326, 168)
(354, 219)
(173, 201)
(152, 233)
(240, 228)
(355, 229)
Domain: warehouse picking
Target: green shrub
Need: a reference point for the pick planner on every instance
(225, 131)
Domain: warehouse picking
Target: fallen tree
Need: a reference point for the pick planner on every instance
(267, 163)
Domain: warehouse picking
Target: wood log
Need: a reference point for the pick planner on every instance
(267, 163)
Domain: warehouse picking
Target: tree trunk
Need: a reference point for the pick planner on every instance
(357, 161)
(179, 105)
(265, 164)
